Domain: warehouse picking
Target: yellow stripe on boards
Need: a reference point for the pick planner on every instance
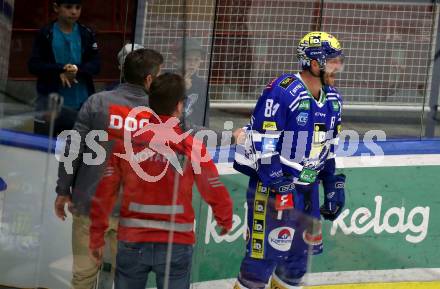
(403, 285)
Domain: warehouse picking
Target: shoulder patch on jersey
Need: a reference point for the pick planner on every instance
(304, 104)
(269, 125)
(335, 105)
(286, 82)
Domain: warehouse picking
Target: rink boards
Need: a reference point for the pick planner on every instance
(388, 232)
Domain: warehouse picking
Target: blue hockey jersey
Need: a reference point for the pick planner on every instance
(291, 133)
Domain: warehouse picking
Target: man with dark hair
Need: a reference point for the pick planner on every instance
(168, 92)
(64, 58)
(100, 112)
(157, 217)
(133, 71)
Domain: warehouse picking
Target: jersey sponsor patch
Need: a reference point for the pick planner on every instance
(319, 133)
(269, 144)
(270, 125)
(259, 225)
(260, 206)
(318, 141)
(302, 118)
(335, 105)
(281, 238)
(308, 175)
(304, 105)
(286, 82)
(257, 248)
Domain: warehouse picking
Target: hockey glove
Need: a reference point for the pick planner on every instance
(334, 197)
(285, 193)
(282, 186)
(3, 185)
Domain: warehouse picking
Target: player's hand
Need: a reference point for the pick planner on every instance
(286, 195)
(283, 186)
(239, 136)
(334, 197)
(96, 255)
(60, 205)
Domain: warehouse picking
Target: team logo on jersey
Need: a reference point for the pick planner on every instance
(270, 125)
(335, 105)
(304, 105)
(286, 82)
(302, 118)
(281, 238)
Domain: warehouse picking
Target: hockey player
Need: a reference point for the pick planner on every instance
(289, 148)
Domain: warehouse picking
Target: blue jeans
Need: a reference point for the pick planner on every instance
(135, 260)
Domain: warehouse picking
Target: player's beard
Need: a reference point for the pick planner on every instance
(329, 78)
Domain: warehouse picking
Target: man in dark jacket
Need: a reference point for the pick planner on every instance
(76, 187)
(64, 58)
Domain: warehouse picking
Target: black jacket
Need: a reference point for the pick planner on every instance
(42, 61)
